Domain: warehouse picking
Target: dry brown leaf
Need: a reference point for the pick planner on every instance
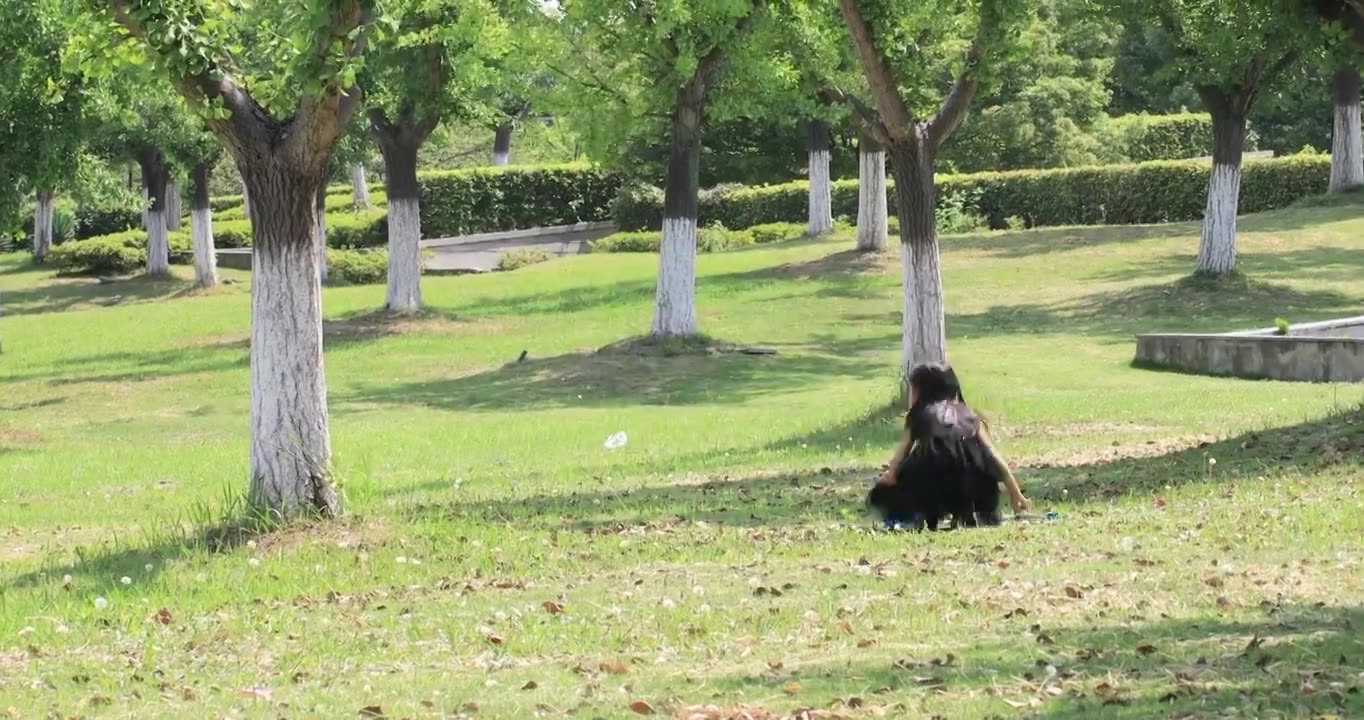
(551, 607)
(531, 685)
(1074, 592)
(163, 616)
(614, 668)
(642, 708)
(256, 693)
(1146, 649)
(791, 688)
(496, 639)
(372, 712)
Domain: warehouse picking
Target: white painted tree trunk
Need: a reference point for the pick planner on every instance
(675, 296)
(502, 145)
(158, 244)
(404, 255)
(359, 186)
(1347, 157)
(872, 217)
(922, 337)
(42, 225)
(205, 256)
(290, 441)
(320, 223)
(173, 206)
(146, 204)
(821, 211)
(1217, 242)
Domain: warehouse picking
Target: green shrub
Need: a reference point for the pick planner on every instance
(516, 259)
(1153, 192)
(637, 207)
(99, 221)
(716, 238)
(776, 232)
(231, 233)
(106, 255)
(355, 230)
(460, 202)
(1140, 137)
(357, 267)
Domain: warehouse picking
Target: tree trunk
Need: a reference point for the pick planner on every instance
(675, 295)
(154, 182)
(502, 145)
(1347, 159)
(359, 186)
(404, 293)
(290, 441)
(821, 211)
(42, 225)
(320, 228)
(201, 232)
(923, 337)
(173, 208)
(1217, 242)
(145, 203)
(872, 217)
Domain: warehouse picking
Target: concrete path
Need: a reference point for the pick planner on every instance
(480, 253)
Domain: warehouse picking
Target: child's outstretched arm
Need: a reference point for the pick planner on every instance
(1016, 499)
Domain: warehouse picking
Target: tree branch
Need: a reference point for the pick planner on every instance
(709, 67)
(894, 116)
(954, 106)
(863, 116)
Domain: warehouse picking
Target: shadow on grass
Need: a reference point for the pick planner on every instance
(609, 379)
(64, 294)
(1041, 241)
(821, 495)
(1293, 660)
(1188, 304)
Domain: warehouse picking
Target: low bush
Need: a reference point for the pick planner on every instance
(708, 240)
(516, 259)
(357, 267)
(1142, 137)
(776, 232)
(460, 202)
(116, 254)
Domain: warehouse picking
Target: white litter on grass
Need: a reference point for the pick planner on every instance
(616, 441)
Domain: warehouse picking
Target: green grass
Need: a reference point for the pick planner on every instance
(478, 490)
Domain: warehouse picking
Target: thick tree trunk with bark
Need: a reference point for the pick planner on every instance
(359, 186)
(675, 295)
(42, 225)
(290, 441)
(502, 145)
(404, 293)
(872, 217)
(1217, 241)
(923, 335)
(154, 181)
(201, 231)
(173, 207)
(1347, 157)
(320, 226)
(821, 211)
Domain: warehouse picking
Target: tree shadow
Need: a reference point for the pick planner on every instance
(1298, 660)
(1014, 244)
(1189, 304)
(611, 379)
(821, 495)
(66, 294)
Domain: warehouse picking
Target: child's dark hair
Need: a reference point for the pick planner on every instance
(935, 382)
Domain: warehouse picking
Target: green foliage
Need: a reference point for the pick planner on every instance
(367, 229)
(516, 259)
(716, 238)
(108, 255)
(357, 267)
(473, 201)
(1114, 194)
(96, 221)
(1140, 137)
(1281, 326)
(776, 232)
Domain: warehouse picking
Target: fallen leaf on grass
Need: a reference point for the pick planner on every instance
(642, 708)
(1147, 649)
(256, 693)
(530, 685)
(614, 668)
(496, 639)
(1074, 592)
(551, 607)
(371, 712)
(163, 616)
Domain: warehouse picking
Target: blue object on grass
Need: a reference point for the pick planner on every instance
(1053, 516)
(895, 522)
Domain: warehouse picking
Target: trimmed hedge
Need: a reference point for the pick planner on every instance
(1153, 192)
(357, 267)
(1141, 137)
(708, 240)
(460, 202)
(116, 253)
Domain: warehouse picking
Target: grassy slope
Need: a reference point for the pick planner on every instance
(479, 489)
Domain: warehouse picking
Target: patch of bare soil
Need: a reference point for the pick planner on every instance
(649, 346)
(751, 712)
(383, 323)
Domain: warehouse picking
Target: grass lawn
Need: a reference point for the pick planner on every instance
(495, 560)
